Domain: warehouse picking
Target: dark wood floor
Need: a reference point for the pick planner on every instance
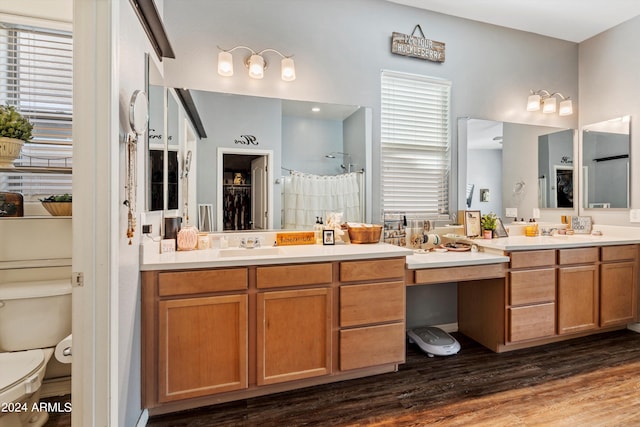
(592, 381)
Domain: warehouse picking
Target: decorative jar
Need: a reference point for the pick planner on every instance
(187, 238)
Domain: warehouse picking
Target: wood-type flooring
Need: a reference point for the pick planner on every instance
(591, 381)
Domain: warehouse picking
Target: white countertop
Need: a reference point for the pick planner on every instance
(151, 259)
(517, 243)
(453, 259)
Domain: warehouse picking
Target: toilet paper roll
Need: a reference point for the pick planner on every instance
(63, 350)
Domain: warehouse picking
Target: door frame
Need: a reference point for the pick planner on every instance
(220, 181)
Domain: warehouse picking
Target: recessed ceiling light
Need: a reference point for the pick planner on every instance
(315, 109)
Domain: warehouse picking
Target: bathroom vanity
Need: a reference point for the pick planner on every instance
(226, 324)
(527, 291)
(218, 327)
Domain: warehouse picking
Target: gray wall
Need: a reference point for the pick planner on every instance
(609, 88)
(484, 170)
(339, 57)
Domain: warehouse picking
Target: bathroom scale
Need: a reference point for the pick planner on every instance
(434, 341)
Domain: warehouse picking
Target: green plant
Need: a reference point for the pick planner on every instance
(13, 124)
(489, 221)
(58, 198)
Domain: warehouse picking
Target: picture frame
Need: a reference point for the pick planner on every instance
(328, 237)
(500, 231)
(472, 227)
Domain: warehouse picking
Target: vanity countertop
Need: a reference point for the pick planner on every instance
(151, 259)
(610, 236)
(453, 259)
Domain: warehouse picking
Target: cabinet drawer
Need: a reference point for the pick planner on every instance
(578, 256)
(533, 321)
(527, 259)
(202, 281)
(371, 346)
(532, 286)
(619, 253)
(293, 275)
(374, 303)
(379, 269)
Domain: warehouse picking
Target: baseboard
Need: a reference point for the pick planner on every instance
(448, 327)
(635, 327)
(144, 418)
(56, 387)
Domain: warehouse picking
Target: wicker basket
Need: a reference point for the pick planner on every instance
(58, 208)
(365, 234)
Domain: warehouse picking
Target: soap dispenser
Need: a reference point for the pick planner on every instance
(317, 230)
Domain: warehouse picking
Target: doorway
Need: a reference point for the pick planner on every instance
(244, 199)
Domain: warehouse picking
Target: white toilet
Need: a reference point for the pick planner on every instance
(34, 318)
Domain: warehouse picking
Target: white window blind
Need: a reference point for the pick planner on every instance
(415, 144)
(36, 66)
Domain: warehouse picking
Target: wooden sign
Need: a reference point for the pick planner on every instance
(296, 238)
(417, 47)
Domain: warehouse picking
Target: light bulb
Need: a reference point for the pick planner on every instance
(549, 105)
(566, 108)
(533, 103)
(288, 72)
(225, 64)
(256, 66)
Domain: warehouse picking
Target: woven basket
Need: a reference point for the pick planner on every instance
(58, 208)
(365, 234)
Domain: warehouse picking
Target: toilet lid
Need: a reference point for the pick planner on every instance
(17, 365)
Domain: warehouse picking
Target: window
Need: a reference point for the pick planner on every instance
(36, 78)
(415, 144)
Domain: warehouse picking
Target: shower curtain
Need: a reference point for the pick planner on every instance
(308, 196)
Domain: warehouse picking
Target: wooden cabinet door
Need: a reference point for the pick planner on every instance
(294, 335)
(618, 293)
(202, 346)
(578, 299)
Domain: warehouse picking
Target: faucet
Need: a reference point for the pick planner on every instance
(548, 231)
(250, 242)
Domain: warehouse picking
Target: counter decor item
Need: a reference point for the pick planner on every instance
(328, 237)
(15, 130)
(11, 204)
(364, 233)
(187, 238)
(472, 225)
(581, 224)
(500, 231)
(58, 205)
(488, 223)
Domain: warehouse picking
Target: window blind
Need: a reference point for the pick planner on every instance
(415, 144)
(36, 67)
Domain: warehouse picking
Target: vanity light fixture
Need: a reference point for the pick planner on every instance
(255, 63)
(547, 100)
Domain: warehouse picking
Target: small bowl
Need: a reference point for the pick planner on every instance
(58, 208)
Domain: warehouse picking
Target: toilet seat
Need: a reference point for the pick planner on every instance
(22, 372)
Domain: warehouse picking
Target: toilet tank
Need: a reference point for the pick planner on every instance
(34, 314)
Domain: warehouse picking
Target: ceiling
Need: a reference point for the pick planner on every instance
(572, 20)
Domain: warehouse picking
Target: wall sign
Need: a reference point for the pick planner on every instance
(417, 47)
(247, 140)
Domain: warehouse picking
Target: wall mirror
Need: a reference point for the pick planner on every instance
(314, 139)
(501, 164)
(605, 164)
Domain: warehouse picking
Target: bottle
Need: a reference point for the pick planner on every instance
(317, 231)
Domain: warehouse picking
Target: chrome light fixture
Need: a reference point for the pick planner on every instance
(548, 102)
(255, 63)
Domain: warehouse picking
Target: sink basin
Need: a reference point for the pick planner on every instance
(244, 252)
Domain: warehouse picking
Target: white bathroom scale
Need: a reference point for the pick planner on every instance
(434, 341)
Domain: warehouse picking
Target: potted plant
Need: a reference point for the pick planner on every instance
(488, 222)
(58, 205)
(15, 130)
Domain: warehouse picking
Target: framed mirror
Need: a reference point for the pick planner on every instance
(605, 164)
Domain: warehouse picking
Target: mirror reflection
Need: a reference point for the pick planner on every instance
(555, 170)
(514, 167)
(605, 164)
(255, 144)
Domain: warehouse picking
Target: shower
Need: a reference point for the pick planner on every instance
(346, 158)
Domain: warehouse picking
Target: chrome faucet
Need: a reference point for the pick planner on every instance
(250, 242)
